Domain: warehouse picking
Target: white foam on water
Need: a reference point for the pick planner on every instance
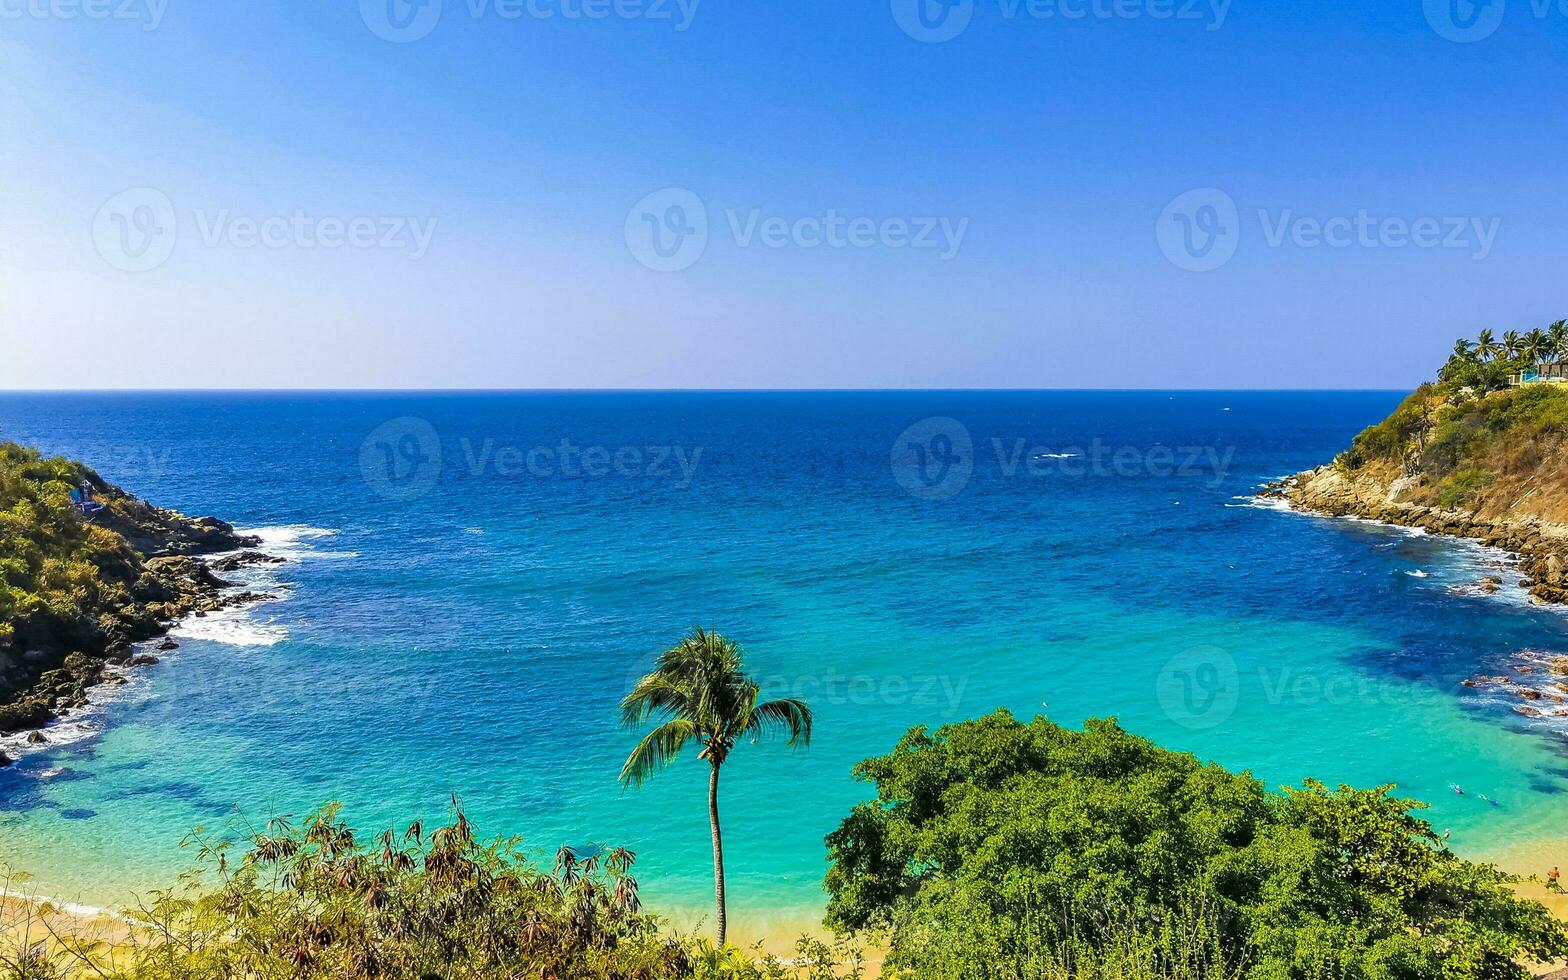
(1262, 503)
(1418, 573)
(235, 627)
(74, 909)
(244, 626)
(296, 542)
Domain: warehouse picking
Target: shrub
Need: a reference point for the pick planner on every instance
(1389, 439)
(314, 901)
(1001, 838)
(1461, 488)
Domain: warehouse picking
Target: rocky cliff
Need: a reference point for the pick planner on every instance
(77, 590)
(1491, 467)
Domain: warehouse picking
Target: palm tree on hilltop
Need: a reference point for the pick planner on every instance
(1513, 344)
(1536, 347)
(700, 689)
(1486, 346)
(1462, 350)
(1557, 340)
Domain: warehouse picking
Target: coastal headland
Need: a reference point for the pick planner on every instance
(94, 571)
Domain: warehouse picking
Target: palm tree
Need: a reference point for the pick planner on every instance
(1535, 346)
(701, 691)
(1513, 344)
(1486, 347)
(1462, 350)
(1557, 339)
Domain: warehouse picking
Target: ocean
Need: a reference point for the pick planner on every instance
(475, 580)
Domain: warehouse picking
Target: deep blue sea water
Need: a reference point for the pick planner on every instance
(474, 579)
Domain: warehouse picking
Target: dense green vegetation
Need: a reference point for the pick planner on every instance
(991, 843)
(52, 564)
(81, 581)
(61, 581)
(703, 695)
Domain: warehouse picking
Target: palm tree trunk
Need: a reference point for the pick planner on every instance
(718, 850)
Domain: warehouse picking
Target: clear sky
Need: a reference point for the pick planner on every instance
(774, 193)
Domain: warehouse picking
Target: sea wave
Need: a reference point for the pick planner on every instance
(76, 910)
(245, 626)
(237, 627)
(1259, 502)
(296, 542)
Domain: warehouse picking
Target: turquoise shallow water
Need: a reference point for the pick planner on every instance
(466, 625)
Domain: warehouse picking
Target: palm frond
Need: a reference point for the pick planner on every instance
(655, 693)
(657, 749)
(783, 714)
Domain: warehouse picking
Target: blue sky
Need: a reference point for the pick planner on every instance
(254, 195)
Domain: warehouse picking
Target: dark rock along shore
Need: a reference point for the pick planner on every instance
(45, 671)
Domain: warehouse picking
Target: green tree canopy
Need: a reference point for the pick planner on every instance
(1002, 838)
